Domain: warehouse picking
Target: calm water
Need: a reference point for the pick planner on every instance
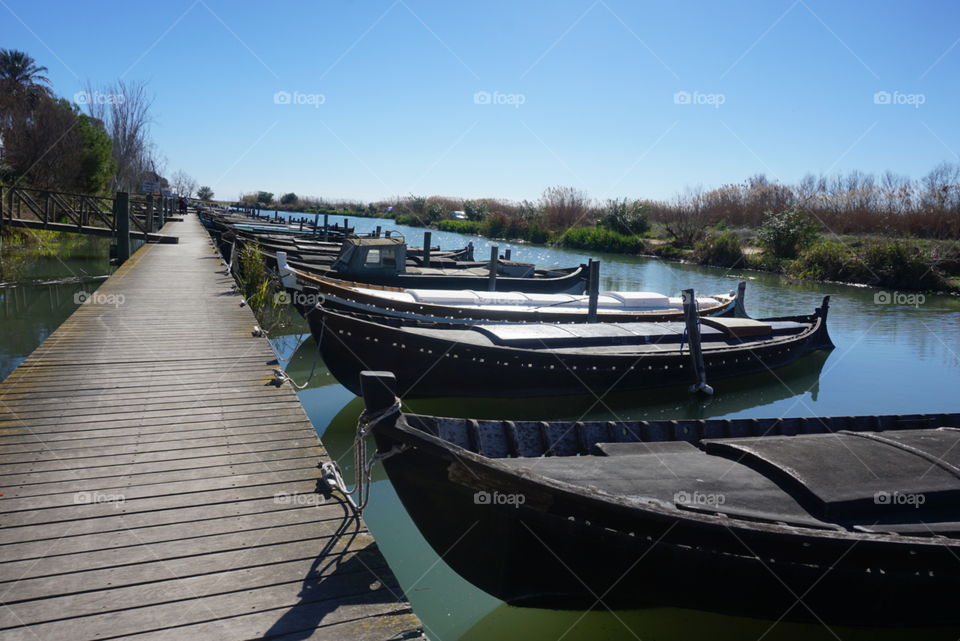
(889, 359)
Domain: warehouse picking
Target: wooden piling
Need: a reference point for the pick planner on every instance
(593, 290)
(427, 239)
(691, 317)
(493, 268)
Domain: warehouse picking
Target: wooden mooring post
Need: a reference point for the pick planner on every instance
(427, 239)
(691, 317)
(593, 289)
(494, 252)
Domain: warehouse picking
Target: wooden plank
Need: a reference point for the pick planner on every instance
(157, 486)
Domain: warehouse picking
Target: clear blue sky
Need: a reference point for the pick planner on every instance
(597, 83)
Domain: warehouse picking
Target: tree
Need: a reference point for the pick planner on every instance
(289, 199)
(125, 114)
(264, 197)
(205, 193)
(19, 68)
(96, 165)
(183, 183)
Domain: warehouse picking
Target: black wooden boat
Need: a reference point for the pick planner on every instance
(842, 520)
(542, 359)
(382, 261)
(307, 290)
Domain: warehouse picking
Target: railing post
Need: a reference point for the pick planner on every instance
(493, 268)
(148, 216)
(121, 215)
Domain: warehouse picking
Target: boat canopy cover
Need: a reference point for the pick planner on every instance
(473, 298)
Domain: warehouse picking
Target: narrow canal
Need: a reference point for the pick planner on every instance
(893, 355)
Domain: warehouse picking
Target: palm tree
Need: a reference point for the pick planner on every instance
(21, 69)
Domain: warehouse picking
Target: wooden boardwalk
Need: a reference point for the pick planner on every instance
(156, 486)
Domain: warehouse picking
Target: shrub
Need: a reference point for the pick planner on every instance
(787, 233)
(460, 226)
(900, 264)
(624, 217)
(411, 220)
(827, 260)
(895, 264)
(722, 250)
(600, 239)
(668, 251)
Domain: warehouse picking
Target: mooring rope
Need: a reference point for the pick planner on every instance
(359, 496)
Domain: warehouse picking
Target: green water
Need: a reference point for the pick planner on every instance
(40, 286)
(889, 359)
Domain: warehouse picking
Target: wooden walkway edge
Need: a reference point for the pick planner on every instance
(157, 486)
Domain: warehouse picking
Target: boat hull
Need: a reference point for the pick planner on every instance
(556, 549)
(427, 366)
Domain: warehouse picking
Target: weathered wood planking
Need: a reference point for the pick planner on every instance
(146, 465)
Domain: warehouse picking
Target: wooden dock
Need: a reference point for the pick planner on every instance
(157, 486)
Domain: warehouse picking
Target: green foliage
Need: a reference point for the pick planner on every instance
(625, 217)
(722, 250)
(897, 264)
(435, 212)
(786, 233)
(764, 261)
(204, 193)
(289, 199)
(460, 226)
(827, 260)
(96, 162)
(475, 209)
(668, 251)
(411, 220)
(264, 197)
(600, 239)
(253, 276)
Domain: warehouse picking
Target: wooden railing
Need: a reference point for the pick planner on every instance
(136, 217)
